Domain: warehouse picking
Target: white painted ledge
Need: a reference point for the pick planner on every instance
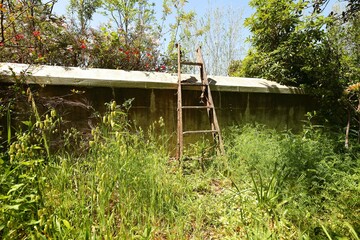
(96, 77)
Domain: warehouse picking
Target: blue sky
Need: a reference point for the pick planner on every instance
(199, 6)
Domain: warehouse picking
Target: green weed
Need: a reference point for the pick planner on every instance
(313, 184)
(125, 185)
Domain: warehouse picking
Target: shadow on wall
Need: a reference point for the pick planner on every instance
(272, 88)
(281, 111)
(194, 80)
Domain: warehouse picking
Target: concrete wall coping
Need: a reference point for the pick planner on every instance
(96, 77)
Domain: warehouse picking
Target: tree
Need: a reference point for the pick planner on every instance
(30, 33)
(351, 10)
(219, 33)
(180, 23)
(26, 28)
(133, 18)
(84, 11)
(294, 48)
(346, 37)
(273, 22)
(234, 67)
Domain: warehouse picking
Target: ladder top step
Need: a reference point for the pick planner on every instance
(201, 131)
(196, 107)
(191, 63)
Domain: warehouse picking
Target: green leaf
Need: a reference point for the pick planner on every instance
(67, 224)
(12, 207)
(31, 178)
(19, 200)
(352, 231)
(27, 123)
(33, 222)
(15, 187)
(26, 199)
(32, 162)
(326, 232)
(3, 197)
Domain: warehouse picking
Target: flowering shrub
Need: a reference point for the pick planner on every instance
(29, 34)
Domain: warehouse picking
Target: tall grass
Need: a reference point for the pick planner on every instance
(123, 188)
(294, 184)
(270, 185)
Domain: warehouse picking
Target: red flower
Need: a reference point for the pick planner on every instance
(1, 44)
(36, 33)
(82, 46)
(136, 52)
(163, 67)
(19, 37)
(149, 55)
(121, 50)
(127, 52)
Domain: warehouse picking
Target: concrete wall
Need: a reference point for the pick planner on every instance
(280, 111)
(237, 100)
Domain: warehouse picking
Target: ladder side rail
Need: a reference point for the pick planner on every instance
(180, 144)
(215, 124)
(211, 111)
(203, 77)
(200, 59)
(206, 90)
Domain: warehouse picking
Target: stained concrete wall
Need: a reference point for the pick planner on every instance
(280, 111)
(237, 100)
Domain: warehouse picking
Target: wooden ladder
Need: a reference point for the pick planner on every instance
(207, 103)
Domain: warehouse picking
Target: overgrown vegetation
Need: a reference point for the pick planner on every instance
(120, 182)
(295, 43)
(130, 39)
(270, 185)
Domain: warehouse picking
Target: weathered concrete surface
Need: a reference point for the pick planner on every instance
(280, 111)
(237, 100)
(55, 75)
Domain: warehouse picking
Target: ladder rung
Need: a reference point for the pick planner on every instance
(192, 63)
(201, 131)
(196, 107)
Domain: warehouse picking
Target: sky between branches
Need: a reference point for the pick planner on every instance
(199, 6)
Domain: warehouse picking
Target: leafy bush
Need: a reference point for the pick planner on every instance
(297, 182)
